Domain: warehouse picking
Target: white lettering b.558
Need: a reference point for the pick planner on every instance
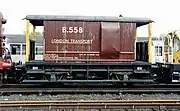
(72, 30)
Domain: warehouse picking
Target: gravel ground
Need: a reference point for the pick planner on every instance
(90, 97)
(93, 97)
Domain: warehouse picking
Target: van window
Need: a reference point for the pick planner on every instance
(39, 50)
(158, 50)
(15, 49)
(23, 49)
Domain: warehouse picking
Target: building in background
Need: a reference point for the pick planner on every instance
(17, 46)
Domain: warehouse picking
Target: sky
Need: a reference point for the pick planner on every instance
(165, 13)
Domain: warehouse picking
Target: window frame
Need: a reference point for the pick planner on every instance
(159, 50)
(38, 46)
(21, 49)
(12, 44)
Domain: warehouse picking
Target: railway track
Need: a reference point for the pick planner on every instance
(91, 104)
(86, 90)
(34, 88)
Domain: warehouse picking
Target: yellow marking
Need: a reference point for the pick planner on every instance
(176, 57)
(27, 41)
(150, 42)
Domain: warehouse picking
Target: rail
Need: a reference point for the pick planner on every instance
(92, 104)
(37, 90)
